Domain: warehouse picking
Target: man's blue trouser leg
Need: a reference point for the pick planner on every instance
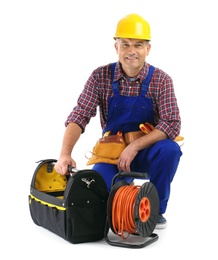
(160, 162)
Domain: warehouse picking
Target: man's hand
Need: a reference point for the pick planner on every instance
(126, 158)
(62, 164)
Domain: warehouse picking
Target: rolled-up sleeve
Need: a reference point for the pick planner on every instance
(86, 107)
(168, 115)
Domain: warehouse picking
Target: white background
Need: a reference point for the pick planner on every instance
(47, 51)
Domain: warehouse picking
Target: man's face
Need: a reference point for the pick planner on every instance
(132, 53)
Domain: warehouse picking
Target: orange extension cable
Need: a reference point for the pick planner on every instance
(123, 210)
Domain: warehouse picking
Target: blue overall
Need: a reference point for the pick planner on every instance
(159, 161)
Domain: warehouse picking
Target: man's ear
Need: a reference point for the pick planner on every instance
(116, 47)
(148, 48)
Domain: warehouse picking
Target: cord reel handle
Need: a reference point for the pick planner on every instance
(135, 175)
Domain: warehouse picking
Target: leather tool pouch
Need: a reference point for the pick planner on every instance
(108, 149)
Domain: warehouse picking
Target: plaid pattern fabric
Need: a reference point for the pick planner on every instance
(98, 89)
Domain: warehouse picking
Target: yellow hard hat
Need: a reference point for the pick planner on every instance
(133, 26)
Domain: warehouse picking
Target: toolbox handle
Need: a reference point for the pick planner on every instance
(72, 170)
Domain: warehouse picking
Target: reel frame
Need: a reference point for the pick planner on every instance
(146, 211)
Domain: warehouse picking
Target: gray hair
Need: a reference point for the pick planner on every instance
(146, 41)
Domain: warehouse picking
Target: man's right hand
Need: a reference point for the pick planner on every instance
(61, 166)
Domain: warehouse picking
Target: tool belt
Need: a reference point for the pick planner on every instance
(109, 147)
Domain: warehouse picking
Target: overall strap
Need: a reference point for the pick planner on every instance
(115, 84)
(145, 82)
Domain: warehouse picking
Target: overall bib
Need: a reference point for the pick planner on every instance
(160, 160)
(125, 113)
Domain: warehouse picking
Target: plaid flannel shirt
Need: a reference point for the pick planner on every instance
(98, 89)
